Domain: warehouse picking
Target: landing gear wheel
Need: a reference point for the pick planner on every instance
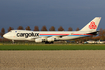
(49, 42)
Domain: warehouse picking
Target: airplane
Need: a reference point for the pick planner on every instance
(51, 36)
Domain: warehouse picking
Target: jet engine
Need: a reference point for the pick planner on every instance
(50, 39)
(54, 38)
(38, 40)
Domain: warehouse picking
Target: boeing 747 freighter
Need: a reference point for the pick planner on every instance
(51, 36)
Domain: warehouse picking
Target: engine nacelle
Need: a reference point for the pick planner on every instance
(50, 39)
(38, 40)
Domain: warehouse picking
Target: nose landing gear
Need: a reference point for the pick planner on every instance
(13, 41)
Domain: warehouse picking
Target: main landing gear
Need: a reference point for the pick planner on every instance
(49, 42)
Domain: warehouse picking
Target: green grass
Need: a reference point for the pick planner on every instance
(54, 47)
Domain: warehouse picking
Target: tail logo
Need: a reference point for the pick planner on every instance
(92, 25)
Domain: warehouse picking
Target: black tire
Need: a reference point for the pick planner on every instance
(49, 42)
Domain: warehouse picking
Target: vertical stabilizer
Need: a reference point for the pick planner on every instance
(92, 25)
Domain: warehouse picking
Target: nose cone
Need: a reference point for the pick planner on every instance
(7, 36)
(4, 35)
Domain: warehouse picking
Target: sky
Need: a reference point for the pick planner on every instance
(65, 13)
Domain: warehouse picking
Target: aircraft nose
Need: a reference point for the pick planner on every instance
(7, 36)
(4, 35)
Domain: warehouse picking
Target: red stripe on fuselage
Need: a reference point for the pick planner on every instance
(65, 34)
(54, 34)
(81, 34)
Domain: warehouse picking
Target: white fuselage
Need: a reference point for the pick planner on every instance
(32, 35)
